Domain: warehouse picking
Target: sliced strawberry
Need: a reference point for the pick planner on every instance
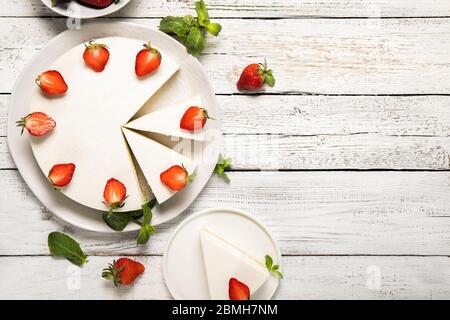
(114, 194)
(194, 118)
(96, 56)
(51, 82)
(238, 290)
(147, 61)
(123, 271)
(176, 177)
(99, 3)
(37, 124)
(61, 174)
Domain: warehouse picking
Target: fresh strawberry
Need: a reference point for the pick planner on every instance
(194, 118)
(99, 3)
(238, 290)
(123, 271)
(96, 56)
(254, 76)
(147, 60)
(176, 177)
(51, 82)
(37, 124)
(60, 175)
(114, 194)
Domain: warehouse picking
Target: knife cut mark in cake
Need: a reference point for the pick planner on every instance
(90, 116)
(167, 121)
(155, 158)
(224, 261)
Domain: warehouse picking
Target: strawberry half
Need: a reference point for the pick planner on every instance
(60, 175)
(123, 271)
(254, 76)
(37, 124)
(99, 3)
(114, 194)
(51, 82)
(147, 61)
(176, 177)
(238, 290)
(194, 118)
(96, 56)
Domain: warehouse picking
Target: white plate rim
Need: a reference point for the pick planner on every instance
(11, 126)
(96, 13)
(209, 211)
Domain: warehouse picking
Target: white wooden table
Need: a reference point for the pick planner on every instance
(353, 143)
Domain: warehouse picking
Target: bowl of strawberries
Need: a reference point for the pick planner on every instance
(85, 9)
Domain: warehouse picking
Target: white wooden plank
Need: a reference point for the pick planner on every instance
(308, 213)
(337, 56)
(305, 278)
(258, 8)
(325, 132)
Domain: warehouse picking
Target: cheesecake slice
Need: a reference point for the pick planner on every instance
(166, 121)
(153, 159)
(223, 261)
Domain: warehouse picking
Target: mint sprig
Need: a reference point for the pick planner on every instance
(222, 165)
(61, 245)
(119, 220)
(191, 31)
(273, 268)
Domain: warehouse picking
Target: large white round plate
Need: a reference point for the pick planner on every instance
(184, 272)
(189, 80)
(74, 9)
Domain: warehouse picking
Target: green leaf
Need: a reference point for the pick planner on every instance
(174, 25)
(119, 220)
(195, 41)
(202, 13)
(278, 274)
(54, 3)
(146, 228)
(269, 262)
(189, 22)
(222, 165)
(269, 78)
(61, 245)
(213, 28)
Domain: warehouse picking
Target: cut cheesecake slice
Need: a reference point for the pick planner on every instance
(166, 121)
(224, 261)
(153, 159)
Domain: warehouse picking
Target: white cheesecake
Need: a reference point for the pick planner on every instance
(224, 260)
(153, 159)
(89, 118)
(166, 121)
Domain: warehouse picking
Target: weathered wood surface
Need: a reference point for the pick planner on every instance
(325, 132)
(257, 8)
(333, 56)
(382, 213)
(309, 278)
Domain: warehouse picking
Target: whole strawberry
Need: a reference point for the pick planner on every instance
(96, 56)
(99, 3)
(123, 271)
(194, 118)
(51, 82)
(37, 124)
(176, 177)
(147, 61)
(254, 76)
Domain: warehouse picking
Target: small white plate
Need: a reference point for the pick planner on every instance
(74, 9)
(183, 268)
(189, 80)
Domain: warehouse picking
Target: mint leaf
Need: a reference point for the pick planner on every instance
(202, 13)
(61, 245)
(195, 41)
(174, 25)
(118, 220)
(222, 165)
(146, 228)
(213, 28)
(273, 268)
